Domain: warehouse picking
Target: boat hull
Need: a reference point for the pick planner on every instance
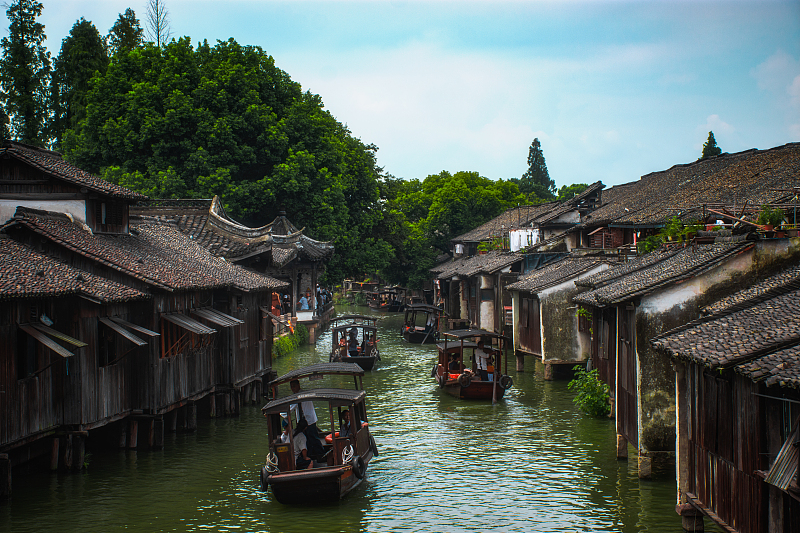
(420, 336)
(477, 390)
(365, 362)
(318, 485)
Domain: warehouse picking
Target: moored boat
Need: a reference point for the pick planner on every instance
(354, 339)
(346, 454)
(469, 365)
(422, 323)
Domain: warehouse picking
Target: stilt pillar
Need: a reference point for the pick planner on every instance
(622, 447)
(691, 518)
(191, 417)
(157, 441)
(548, 372)
(5, 476)
(520, 362)
(133, 434)
(645, 466)
(54, 453)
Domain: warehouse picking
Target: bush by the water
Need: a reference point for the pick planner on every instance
(289, 343)
(592, 394)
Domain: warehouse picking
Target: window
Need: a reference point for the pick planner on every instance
(27, 355)
(487, 295)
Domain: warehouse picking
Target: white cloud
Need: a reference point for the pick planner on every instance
(776, 73)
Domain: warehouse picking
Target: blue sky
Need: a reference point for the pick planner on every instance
(612, 89)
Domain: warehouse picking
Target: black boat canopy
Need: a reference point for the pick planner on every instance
(334, 396)
(346, 369)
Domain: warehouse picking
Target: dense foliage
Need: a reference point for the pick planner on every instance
(591, 394)
(24, 72)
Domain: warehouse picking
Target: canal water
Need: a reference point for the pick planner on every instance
(532, 462)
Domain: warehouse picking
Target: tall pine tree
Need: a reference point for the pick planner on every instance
(83, 53)
(126, 34)
(536, 181)
(710, 148)
(24, 73)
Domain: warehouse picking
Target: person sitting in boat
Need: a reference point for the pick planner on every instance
(346, 426)
(305, 410)
(482, 361)
(343, 346)
(352, 343)
(301, 459)
(455, 364)
(368, 344)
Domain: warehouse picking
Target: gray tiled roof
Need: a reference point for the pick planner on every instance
(737, 337)
(784, 281)
(155, 253)
(687, 263)
(488, 263)
(52, 164)
(753, 175)
(780, 368)
(26, 273)
(555, 273)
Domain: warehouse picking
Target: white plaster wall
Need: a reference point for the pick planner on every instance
(682, 293)
(487, 315)
(76, 208)
(583, 345)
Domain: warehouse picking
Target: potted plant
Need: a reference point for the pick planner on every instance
(768, 218)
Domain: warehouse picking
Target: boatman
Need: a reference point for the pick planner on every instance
(306, 410)
(482, 361)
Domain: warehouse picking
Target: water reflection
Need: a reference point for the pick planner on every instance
(531, 462)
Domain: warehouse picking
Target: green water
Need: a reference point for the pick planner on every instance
(532, 462)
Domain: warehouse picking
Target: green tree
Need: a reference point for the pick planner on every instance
(126, 34)
(710, 148)
(24, 72)
(182, 122)
(567, 192)
(536, 181)
(82, 54)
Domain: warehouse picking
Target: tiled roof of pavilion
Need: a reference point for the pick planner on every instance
(780, 368)
(157, 254)
(687, 263)
(556, 273)
(206, 222)
(488, 263)
(755, 176)
(52, 164)
(740, 337)
(26, 273)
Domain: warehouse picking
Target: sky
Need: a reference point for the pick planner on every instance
(613, 90)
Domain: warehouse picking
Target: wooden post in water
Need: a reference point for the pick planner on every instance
(122, 428)
(157, 441)
(133, 433)
(191, 417)
(622, 447)
(54, 453)
(5, 476)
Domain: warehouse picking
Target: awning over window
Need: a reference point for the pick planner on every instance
(122, 331)
(217, 317)
(784, 468)
(45, 335)
(128, 325)
(189, 324)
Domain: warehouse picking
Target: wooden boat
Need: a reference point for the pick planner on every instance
(346, 458)
(366, 334)
(381, 300)
(422, 323)
(397, 303)
(457, 370)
